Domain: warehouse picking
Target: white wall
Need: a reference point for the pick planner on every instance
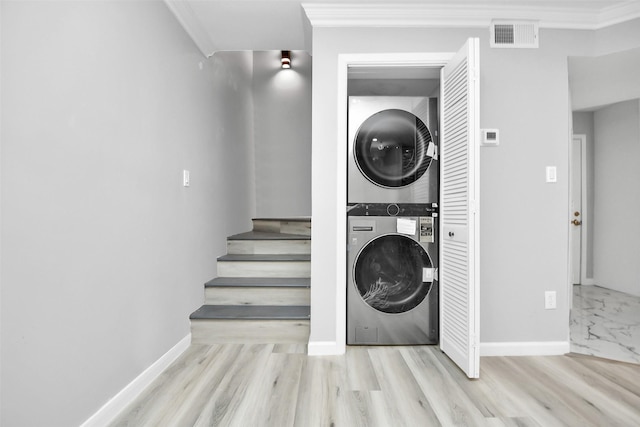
(617, 200)
(282, 133)
(104, 253)
(524, 227)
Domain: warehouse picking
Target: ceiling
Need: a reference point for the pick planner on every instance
(285, 24)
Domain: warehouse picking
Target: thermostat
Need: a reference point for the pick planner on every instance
(490, 137)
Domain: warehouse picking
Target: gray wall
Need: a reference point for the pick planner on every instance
(524, 227)
(282, 134)
(617, 199)
(104, 253)
(583, 124)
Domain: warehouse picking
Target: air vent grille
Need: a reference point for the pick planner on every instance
(514, 34)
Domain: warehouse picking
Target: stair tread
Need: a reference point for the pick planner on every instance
(280, 282)
(265, 235)
(265, 257)
(252, 312)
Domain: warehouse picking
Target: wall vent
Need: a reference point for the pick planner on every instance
(514, 34)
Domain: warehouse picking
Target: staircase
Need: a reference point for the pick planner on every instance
(262, 292)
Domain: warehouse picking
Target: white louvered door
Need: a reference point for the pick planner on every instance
(459, 221)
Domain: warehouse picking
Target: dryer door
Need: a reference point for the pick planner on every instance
(393, 273)
(390, 148)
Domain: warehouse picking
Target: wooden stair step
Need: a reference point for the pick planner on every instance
(265, 235)
(249, 331)
(256, 282)
(262, 242)
(264, 265)
(258, 291)
(294, 225)
(266, 257)
(251, 312)
(215, 324)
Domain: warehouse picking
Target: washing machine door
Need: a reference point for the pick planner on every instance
(390, 148)
(389, 273)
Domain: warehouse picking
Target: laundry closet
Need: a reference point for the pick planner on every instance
(392, 205)
(411, 156)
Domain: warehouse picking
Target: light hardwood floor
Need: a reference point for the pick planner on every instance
(279, 385)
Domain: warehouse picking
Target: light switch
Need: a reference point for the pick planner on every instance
(185, 178)
(552, 175)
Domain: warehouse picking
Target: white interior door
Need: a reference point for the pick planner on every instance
(576, 210)
(459, 205)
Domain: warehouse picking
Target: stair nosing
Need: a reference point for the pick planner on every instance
(265, 257)
(265, 236)
(259, 282)
(251, 312)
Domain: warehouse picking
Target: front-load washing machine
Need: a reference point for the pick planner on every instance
(392, 154)
(392, 283)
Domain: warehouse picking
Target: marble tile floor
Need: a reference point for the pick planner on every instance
(605, 323)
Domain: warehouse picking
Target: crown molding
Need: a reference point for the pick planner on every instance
(440, 15)
(618, 14)
(187, 18)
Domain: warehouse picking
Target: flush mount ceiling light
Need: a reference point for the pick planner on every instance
(286, 59)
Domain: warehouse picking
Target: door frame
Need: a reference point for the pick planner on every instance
(405, 59)
(585, 213)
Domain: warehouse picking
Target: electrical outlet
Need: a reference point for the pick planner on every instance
(550, 300)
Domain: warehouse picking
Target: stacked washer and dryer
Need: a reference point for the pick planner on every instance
(392, 212)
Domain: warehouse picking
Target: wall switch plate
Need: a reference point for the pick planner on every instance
(552, 174)
(185, 178)
(550, 300)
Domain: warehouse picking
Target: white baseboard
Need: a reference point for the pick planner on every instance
(588, 282)
(325, 348)
(113, 407)
(546, 348)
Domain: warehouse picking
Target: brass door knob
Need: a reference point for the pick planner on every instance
(576, 222)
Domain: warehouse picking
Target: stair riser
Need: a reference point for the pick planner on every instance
(249, 331)
(286, 227)
(277, 247)
(264, 269)
(257, 296)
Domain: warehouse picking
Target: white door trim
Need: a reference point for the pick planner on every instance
(584, 213)
(405, 59)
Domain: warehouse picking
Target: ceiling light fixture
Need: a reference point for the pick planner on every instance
(286, 59)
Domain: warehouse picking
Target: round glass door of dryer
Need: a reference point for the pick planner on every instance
(388, 273)
(390, 148)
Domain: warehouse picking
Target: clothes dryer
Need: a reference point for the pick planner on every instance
(393, 149)
(392, 283)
